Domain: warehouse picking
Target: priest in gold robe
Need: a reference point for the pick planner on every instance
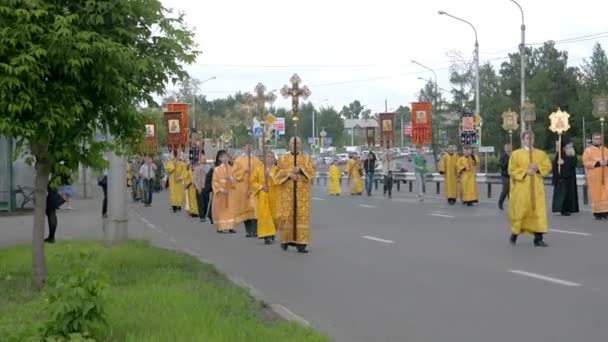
(333, 184)
(595, 166)
(293, 208)
(355, 181)
(527, 174)
(191, 192)
(466, 166)
(243, 201)
(176, 170)
(223, 190)
(266, 190)
(447, 168)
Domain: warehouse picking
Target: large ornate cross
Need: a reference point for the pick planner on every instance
(248, 106)
(295, 92)
(260, 98)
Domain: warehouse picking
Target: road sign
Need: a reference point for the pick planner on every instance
(257, 132)
(279, 126)
(329, 140)
(407, 129)
(486, 149)
(311, 140)
(256, 123)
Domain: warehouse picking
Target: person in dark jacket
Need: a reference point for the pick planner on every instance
(53, 201)
(565, 191)
(207, 192)
(504, 173)
(369, 165)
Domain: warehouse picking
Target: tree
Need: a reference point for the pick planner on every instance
(353, 110)
(333, 124)
(69, 68)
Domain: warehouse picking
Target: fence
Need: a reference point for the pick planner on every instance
(489, 179)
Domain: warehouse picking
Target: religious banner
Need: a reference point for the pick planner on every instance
(370, 134)
(509, 123)
(387, 129)
(559, 125)
(421, 123)
(183, 109)
(150, 141)
(468, 135)
(175, 138)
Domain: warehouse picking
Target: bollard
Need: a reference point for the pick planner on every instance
(411, 186)
(438, 187)
(398, 185)
(585, 195)
(489, 190)
(325, 182)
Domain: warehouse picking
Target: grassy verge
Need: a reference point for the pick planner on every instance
(154, 295)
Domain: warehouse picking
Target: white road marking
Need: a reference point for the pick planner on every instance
(367, 206)
(569, 232)
(441, 215)
(545, 278)
(318, 199)
(288, 315)
(377, 239)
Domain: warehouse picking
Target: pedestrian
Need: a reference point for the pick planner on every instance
(421, 170)
(266, 188)
(467, 170)
(191, 197)
(135, 188)
(223, 190)
(565, 190)
(147, 175)
(102, 181)
(208, 192)
(297, 235)
(388, 184)
(527, 173)
(504, 174)
(159, 174)
(354, 168)
(333, 185)
(202, 198)
(243, 201)
(369, 166)
(594, 159)
(447, 168)
(53, 201)
(176, 170)
(65, 190)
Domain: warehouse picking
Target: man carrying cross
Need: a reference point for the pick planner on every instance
(302, 174)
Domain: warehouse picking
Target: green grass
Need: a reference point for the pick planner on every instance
(153, 295)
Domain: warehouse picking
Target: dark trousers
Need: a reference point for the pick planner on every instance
(148, 191)
(104, 205)
(251, 227)
(202, 199)
(51, 215)
(506, 186)
(388, 185)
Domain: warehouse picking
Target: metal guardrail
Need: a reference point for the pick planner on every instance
(409, 178)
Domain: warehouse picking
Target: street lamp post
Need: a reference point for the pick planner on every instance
(477, 109)
(433, 129)
(194, 102)
(522, 55)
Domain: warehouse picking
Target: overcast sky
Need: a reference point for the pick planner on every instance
(346, 50)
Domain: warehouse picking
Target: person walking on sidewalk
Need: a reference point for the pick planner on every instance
(202, 197)
(53, 201)
(147, 174)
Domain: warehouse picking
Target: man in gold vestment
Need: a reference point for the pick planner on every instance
(242, 200)
(595, 165)
(176, 170)
(294, 207)
(447, 167)
(525, 174)
(266, 189)
(467, 170)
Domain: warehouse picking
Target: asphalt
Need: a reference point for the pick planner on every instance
(401, 270)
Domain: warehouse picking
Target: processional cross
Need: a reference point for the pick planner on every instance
(261, 98)
(295, 92)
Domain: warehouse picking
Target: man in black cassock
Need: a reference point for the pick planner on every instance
(565, 192)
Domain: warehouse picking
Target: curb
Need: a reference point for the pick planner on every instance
(278, 309)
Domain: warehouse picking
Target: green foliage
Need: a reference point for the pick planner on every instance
(75, 297)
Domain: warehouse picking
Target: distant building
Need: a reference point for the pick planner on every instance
(360, 125)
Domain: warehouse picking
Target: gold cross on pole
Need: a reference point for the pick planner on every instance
(295, 92)
(248, 106)
(261, 99)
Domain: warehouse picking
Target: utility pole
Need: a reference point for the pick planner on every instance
(117, 223)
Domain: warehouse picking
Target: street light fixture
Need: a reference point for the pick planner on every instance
(477, 109)
(522, 55)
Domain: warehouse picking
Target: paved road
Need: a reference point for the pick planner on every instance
(400, 270)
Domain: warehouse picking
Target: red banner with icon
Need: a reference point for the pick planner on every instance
(387, 129)
(421, 123)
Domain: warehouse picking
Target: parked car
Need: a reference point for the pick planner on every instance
(399, 167)
(342, 157)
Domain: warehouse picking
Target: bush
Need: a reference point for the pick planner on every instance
(75, 299)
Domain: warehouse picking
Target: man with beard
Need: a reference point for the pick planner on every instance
(565, 192)
(594, 160)
(447, 167)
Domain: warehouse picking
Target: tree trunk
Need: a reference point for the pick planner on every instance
(42, 181)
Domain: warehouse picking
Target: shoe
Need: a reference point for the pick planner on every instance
(302, 249)
(284, 246)
(49, 240)
(513, 239)
(232, 231)
(248, 235)
(500, 206)
(267, 241)
(202, 220)
(565, 213)
(469, 204)
(390, 196)
(540, 243)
